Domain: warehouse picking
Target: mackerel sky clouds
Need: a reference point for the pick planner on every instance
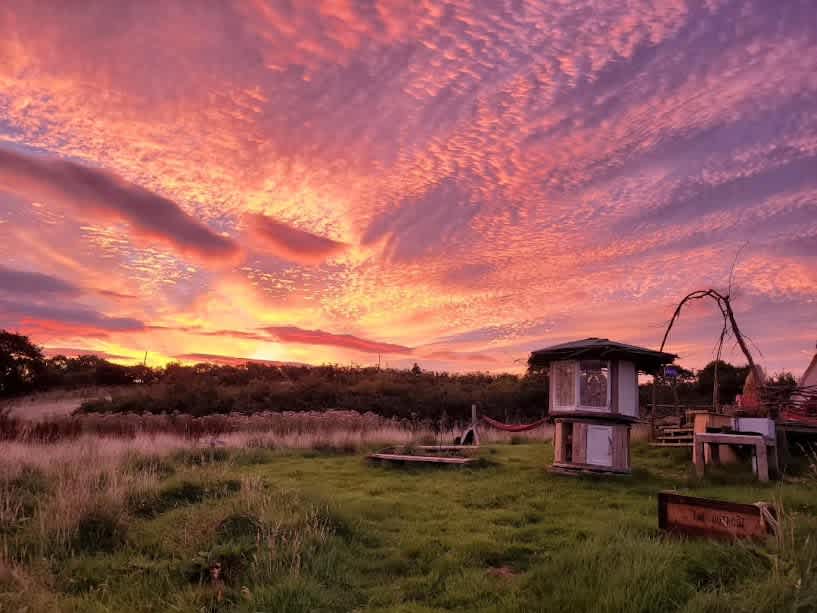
(453, 183)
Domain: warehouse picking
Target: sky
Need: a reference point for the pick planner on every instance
(448, 182)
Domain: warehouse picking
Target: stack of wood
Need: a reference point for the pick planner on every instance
(798, 404)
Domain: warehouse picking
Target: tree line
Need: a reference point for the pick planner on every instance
(205, 389)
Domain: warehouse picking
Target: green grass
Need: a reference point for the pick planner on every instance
(305, 532)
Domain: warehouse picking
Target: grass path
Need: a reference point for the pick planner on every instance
(342, 535)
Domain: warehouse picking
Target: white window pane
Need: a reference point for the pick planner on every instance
(563, 377)
(593, 376)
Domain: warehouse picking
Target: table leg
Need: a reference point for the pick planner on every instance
(762, 461)
(699, 458)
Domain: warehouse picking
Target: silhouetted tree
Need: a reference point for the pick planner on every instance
(730, 380)
(22, 364)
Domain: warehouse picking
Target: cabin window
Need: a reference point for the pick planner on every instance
(563, 378)
(594, 379)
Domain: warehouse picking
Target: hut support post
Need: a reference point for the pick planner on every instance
(474, 423)
(653, 407)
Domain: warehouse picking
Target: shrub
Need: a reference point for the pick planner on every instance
(238, 527)
(180, 494)
(224, 562)
(100, 530)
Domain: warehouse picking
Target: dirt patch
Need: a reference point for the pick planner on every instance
(503, 572)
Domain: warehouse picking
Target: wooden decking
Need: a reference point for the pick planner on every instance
(565, 468)
(673, 436)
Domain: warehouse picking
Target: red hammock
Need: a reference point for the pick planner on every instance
(512, 427)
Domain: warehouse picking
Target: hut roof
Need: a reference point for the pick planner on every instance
(646, 360)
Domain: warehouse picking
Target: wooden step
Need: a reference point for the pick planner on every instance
(671, 445)
(676, 429)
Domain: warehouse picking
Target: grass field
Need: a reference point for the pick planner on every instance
(269, 530)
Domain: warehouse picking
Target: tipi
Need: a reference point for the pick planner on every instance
(810, 375)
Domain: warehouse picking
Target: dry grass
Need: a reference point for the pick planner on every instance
(54, 403)
(299, 429)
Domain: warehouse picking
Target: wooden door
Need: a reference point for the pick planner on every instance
(600, 445)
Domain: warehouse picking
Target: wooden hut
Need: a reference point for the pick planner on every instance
(594, 401)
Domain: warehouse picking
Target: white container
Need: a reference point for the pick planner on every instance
(761, 425)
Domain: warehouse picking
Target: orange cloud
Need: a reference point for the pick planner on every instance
(225, 359)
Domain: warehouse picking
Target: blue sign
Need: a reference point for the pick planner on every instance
(671, 372)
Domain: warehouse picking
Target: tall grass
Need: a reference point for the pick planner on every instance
(285, 429)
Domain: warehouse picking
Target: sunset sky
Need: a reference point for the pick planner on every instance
(451, 183)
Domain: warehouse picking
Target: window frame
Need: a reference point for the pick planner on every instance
(577, 406)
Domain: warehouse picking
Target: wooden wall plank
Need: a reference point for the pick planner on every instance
(621, 447)
(613, 374)
(579, 443)
(559, 442)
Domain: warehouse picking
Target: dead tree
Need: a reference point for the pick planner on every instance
(729, 322)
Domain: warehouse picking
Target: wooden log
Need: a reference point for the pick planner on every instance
(396, 457)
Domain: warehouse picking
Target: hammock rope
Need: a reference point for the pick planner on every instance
(512, 427)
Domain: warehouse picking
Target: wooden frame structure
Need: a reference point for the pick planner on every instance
(706, 446)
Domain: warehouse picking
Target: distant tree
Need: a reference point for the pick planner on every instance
(782, 381)
(22, 364)
(416, 370)
(730, 380)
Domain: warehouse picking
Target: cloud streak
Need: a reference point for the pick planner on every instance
(66, 318)
(292, 244)
(34, 284)
(97, 192)
(293, 334)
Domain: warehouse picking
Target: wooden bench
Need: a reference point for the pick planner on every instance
(711, 441)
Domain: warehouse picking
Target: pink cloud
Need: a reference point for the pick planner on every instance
(292, 334)
(292, 244)
(101, 193)
(34, 283)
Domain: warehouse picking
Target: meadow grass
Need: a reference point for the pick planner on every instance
(173, 528)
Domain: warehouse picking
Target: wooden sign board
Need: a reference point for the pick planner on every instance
(705, 517)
